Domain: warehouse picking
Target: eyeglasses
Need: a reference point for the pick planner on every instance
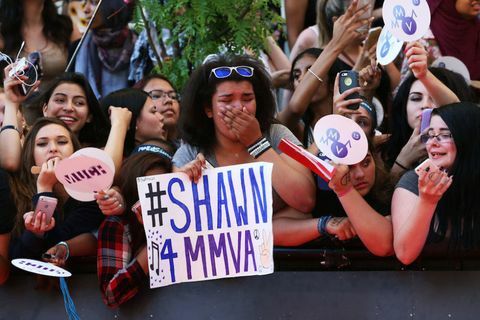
(225, 72)
(160, 94)
(441, 137)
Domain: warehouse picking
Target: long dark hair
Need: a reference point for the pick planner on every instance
(137, 165)
(133, 100)
(56, 28)
(95, 132)
(459, 205)
(24, 183)
(196, 128)
(399, 127)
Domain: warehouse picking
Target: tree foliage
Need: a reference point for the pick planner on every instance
(202, 27)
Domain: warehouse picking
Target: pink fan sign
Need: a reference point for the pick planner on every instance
(85, 172)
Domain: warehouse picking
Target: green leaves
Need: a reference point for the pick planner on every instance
(202, 27)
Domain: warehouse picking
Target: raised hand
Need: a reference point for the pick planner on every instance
(11, 86)
(413, 150)
(119, 116)
(417, 59)
(340, 101)
(345, 27)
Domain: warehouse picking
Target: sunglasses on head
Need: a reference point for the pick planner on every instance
(225, 72)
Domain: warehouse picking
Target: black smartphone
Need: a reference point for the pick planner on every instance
(33, 72)
(349, 79)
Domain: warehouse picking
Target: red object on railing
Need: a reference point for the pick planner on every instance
(323, 169)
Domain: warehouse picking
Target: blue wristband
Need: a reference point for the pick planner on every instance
(322, 225)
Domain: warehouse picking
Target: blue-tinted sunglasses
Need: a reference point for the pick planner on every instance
(225, 72)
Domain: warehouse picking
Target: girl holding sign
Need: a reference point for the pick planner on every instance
(227, 115)
(439, 207)
(49, 141)
(122, 261)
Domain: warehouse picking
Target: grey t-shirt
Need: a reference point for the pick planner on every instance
(187, 153)
(409, 181)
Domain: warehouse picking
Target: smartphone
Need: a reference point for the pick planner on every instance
(422, 166)
(372, 37)
(46, 205)
(33, 72)
(349, 79)
(425, 122)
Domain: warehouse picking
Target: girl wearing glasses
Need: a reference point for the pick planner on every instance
(439, 206)
(166, 100)
(227, 119)
(424, 88)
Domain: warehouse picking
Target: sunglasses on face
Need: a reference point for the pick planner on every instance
(160, 94)
(225, 72)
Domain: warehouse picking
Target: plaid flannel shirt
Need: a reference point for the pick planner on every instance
(119, 273)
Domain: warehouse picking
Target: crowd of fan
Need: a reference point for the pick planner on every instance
(229, 103)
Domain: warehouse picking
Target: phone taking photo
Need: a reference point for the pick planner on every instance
(348, 79)
(425, 122)
(46, 205)
(372, 37)
(33, 72)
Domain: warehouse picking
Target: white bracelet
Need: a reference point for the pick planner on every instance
(63, 243)
(313, 73)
